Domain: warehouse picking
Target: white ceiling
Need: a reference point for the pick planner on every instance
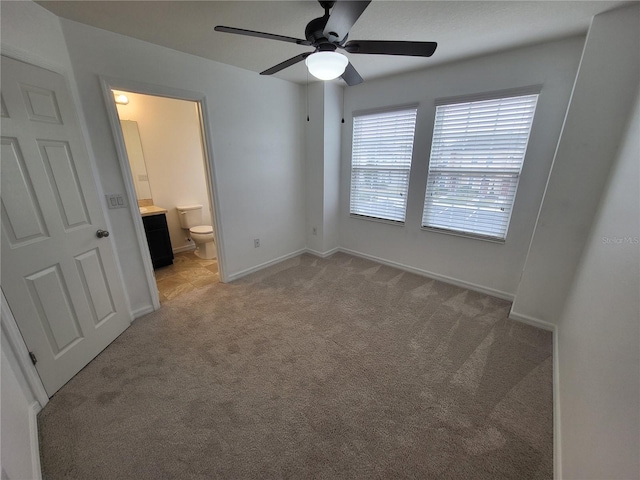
(461, 28)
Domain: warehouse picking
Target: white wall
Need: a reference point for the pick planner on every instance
(17, 417)
(257, 140)
(171, 142)
(323, 154)
(599, 333)
(314, 152)
(333, 96)
(600, 104)
(35, 33)
(479, 264)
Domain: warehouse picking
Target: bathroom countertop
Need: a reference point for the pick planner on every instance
(151, 210)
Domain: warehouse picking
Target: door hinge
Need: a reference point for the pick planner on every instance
(33, 358)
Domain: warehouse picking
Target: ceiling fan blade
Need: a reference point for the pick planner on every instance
(252, 33)
(342, 17)
(286, 63)
(351, 76)
(383, 47)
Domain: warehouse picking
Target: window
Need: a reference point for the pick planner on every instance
(381, 162)
(476, 158)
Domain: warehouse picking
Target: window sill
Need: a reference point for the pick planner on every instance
(464, 235)
(377, 220)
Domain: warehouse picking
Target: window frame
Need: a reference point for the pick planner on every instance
(482, 172)
(374, 112)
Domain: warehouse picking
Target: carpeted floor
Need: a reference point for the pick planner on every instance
(335, 368)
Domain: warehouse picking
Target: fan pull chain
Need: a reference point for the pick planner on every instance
(343, 105)
(307, 95)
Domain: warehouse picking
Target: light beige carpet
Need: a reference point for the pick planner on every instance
(335, 368)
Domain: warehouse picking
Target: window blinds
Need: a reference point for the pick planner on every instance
(476, 157)
(380, 163)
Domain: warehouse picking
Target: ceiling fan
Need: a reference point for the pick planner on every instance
(329, 33)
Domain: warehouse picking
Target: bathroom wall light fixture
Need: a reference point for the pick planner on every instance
(121, 99)
(326, 65)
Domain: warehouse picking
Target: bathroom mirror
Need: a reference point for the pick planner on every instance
(136, 161)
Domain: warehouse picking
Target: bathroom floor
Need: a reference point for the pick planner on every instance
(187, 273)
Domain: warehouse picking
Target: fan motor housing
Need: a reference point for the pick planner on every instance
(315, 29)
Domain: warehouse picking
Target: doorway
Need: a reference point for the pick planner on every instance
(167, 163)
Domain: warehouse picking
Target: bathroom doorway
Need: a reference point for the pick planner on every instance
(167, 159)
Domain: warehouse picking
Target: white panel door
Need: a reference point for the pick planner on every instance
(59, 278)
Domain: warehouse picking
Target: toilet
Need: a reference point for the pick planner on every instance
(202, 235)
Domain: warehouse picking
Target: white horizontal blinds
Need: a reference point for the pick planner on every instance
(476, 157)
(381, 162)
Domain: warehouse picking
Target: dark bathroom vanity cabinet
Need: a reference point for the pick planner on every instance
(155, 226)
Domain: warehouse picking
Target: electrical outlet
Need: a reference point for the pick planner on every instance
(314, 231)
(256, 242)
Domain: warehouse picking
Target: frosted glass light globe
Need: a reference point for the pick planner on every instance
(326, 65)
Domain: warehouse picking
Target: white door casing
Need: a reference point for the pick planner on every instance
(60, 279)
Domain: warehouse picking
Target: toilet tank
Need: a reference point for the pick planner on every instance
(190, 215)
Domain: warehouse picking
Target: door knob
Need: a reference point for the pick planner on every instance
(102, 233)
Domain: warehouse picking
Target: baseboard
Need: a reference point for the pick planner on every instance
(326, 254)
(435, 276)
(248, 271)
(141, 311)
(534, 322)
(33, 435)
(185, 248)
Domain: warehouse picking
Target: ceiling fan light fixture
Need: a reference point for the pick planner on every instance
(326, 65)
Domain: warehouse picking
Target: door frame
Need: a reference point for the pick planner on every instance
(108, 84)
(20, 351)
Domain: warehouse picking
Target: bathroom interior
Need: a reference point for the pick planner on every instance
(163, 139)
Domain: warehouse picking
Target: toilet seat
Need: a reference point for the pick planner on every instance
(202, 229)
